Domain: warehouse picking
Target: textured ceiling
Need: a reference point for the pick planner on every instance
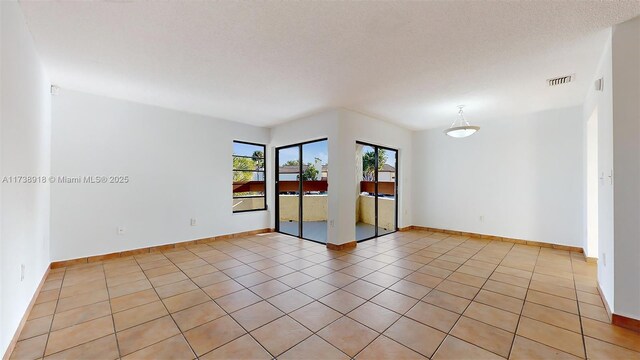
(264, 63)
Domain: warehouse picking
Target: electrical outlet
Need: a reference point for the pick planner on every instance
(194, 222)
(481, 218)
(604, 259)
(22, 269)
(332, 223)
(121, 230)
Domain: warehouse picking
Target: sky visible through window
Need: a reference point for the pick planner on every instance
(245, 149)
(311, 152)
(391, 158)
(319, 150)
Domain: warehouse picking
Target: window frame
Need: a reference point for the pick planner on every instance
(397, 183)
(276, 189)
(264, 172)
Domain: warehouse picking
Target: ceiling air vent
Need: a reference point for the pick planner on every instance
(561, 80)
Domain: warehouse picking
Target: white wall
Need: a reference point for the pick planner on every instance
(314, 127)
(626, 157)
(343, 128)
(361, 127)
(25, 130)
(522, 175)
(3, 330)
(602, 102)
(592, 179)
(179, 166)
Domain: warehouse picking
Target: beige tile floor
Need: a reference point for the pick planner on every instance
(409, 295)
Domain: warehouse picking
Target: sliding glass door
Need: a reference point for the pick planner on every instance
(386, 191)
(376, 203)
(302, 190)
(365, 197)
(314, 189)
(288, 190)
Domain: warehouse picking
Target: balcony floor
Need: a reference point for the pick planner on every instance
(312, 230)
(317, 230)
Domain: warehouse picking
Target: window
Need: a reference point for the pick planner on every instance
(249, 190)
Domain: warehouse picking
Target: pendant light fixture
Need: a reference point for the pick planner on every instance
(461, 127)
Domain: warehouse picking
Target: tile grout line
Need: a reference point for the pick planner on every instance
(44, 350)
(78, 307)
(575, 289)
(579, 317)
(168, 312)
(365, 302)
(301, 285)
(379, 333)
(584, 342)
(372, 252)
(318, 300)
(524, 302)
(405, 256)
(263, 299)
(471, 300)
(169, 259)
(223, 309)
(113, 321)
(418, 300)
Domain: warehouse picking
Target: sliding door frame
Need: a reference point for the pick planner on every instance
(376, 149)
(300, 188)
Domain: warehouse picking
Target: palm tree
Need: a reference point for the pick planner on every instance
(258, 158)
(369, 161)
(243, 163)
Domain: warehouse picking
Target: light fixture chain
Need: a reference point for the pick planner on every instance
(461, 127)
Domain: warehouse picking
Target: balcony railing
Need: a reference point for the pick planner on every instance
(293, 185)
(285, 186)
(384, 187)
(250, 186)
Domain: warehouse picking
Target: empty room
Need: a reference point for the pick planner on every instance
(319, 180)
